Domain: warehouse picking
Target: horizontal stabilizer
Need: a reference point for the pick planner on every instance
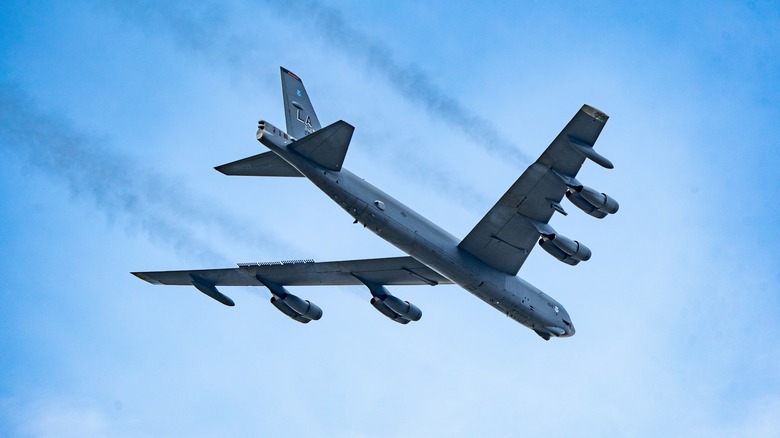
(265, 164)
(326, 147)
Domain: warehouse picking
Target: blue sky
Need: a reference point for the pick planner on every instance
(112, 116)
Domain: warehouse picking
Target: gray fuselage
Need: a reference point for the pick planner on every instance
(428, 243)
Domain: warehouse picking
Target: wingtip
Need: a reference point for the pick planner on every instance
(145, 278)
(595, 113)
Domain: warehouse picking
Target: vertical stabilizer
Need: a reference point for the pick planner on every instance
(298, 111)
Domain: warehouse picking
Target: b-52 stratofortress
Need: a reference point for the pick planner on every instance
(484, 263)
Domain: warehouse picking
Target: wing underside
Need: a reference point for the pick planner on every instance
(385, 271)
(509, 231)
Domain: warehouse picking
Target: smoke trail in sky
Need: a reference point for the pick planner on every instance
(207, 28)
(117, 184)
(209, 31)
(408, 80)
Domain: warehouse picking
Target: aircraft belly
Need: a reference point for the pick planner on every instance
(356, 208)
(398, 235)
(414, 235)
(445, 260)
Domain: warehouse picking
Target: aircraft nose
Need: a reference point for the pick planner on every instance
(569, 328)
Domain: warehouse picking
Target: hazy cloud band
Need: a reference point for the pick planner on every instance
(117, 184)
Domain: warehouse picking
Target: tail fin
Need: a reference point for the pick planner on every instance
(298, 111)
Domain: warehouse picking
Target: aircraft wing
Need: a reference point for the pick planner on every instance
(509, 231)
(386, 271)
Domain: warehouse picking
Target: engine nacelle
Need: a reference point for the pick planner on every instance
(602, 201)
(592, 202)
(304, 308)
(384, 310)
(289, 304)
(389, 305)
(404, 309)
(564, 249)
(284, 308)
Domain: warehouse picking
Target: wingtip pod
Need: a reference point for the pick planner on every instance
(588, 152)
(585, 148)
(209, 289)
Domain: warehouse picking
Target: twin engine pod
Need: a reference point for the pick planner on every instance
(300, 310)
(304, 311)
(391, 306)
(564, 249)
(561, 247)
(592, 202)
(394, 308)
(294, 307)
(596, 204)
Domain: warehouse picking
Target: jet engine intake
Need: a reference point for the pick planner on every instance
(564, 249)
(592, 202)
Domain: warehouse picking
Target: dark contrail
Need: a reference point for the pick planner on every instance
(208, 31)
(409, 81)
(117, 184)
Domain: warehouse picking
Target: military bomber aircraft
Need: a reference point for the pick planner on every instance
(484, 263)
